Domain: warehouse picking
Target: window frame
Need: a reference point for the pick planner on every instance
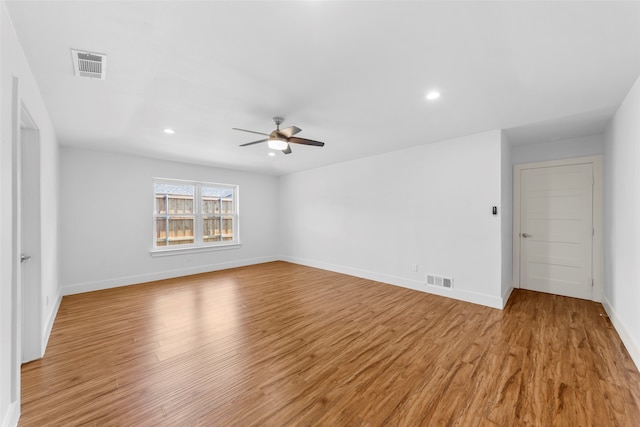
(198, 245)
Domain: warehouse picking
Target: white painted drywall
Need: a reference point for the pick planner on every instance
(13, 64)
(375, 217)
(622, 222)
(106, 220)
(506, 217)
(562, 149)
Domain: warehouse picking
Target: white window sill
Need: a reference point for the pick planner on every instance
(193, 249)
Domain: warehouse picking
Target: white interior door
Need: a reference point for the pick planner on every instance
(30, 241)
(556, 230)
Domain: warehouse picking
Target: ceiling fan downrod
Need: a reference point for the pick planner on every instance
(277, 120)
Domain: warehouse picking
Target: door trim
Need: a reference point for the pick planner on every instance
(16, 244)
(597, 246)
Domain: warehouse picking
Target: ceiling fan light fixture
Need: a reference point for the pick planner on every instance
(281, 140)
(277, 144)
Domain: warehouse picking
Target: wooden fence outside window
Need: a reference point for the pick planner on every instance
(176, 226)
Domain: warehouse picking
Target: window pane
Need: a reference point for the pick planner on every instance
(181, 230)
(161, 204)
(180, 205)
(176, 198)
(216, 200)
(211, 229)
(210, 205)
(227, 228)
(227, 206)
(161, 231)
(217, 192)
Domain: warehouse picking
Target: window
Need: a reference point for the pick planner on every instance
(194, 215)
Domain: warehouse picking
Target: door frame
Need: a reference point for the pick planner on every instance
(597, 254)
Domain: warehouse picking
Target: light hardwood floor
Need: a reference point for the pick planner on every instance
(279, 344)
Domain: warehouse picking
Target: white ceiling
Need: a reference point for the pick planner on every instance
(351, 73)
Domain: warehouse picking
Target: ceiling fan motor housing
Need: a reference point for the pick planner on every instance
(277, 135)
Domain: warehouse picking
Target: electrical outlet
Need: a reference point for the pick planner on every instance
(414, 268)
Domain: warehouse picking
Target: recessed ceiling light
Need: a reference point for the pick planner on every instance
(169, 131)
(272, 154)
(434, 94)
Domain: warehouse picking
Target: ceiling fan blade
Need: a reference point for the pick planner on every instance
(287, 150)
(251, 131)
(305, 141)
(254, 142)
(290, 131)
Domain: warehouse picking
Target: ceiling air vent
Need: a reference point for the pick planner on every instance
(89, 64)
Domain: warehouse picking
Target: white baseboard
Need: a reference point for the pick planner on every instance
(12, 416)
(627, 339)
(49, 326)
(506, 295)
(78, 288)
(466, 296)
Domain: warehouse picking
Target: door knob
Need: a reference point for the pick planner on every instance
(25, 258)
(525, 235)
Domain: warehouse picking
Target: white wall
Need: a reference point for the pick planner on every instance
(13, 64)
(106, 220)
(563, 149)
(50, 296)
(506, 218)
(375, 217)
(622, 222)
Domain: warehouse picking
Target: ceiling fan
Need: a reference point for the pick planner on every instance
(279, 139)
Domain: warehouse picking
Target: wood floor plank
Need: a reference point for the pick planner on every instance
(279, 344)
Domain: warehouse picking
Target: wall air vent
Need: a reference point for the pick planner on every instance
(89, 64)
(439, 281)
